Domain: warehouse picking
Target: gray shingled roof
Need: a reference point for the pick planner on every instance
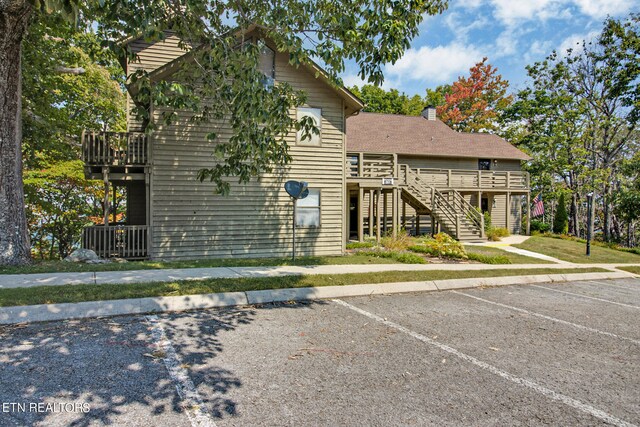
(392, 133)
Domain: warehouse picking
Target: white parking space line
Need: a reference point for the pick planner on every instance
(588, 297)
(191, 401)
(552, 319)
(628, 286)
(551, 394)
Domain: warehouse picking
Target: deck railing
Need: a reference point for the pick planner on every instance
(114, 148)
(475, 179)
(117, 241)
(363, 165)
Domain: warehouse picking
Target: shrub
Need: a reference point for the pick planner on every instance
(489, 259)
(487, 220)
(561, 220)
(399, 243)
(360, 245)
(441, 245)
(495, 233)
(539, 226)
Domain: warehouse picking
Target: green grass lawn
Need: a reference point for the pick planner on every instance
(630, 269)
(77, 293)
(70, 267)
(571, 251)
(499, 254)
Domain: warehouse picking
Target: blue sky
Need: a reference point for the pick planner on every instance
(511, 33)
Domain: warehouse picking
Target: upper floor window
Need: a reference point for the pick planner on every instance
(316, 115)
(267, 63)
(484, 164)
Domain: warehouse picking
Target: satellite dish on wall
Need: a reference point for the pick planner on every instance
(297, 189)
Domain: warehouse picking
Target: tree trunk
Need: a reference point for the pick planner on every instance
(14, 236)
(574, 222)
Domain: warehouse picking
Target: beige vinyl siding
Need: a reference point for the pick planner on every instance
(497, 204)
(507, 165)
(439, 162)
(456, 163)
(190, 221)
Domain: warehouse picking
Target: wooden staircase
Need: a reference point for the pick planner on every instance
(456, 216)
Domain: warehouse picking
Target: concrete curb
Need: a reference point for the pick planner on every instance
(51, 312)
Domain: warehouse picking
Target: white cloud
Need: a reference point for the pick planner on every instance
(513, 12)
(352, 80)
(574, 42)
(460, 26)
(440, 64)
(601, 8)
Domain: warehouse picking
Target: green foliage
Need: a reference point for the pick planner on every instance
(539, 226)
(441, 245)
(403, 257)
(487, 220)
(561, 219)
(59, 203)
(360, 245)
(378, 100)
(488, 259)
(57, 106)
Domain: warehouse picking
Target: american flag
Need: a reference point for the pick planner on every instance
(538, 206)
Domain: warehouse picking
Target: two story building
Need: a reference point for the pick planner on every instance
(365, 172)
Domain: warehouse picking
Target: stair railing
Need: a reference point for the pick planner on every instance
(470, 212)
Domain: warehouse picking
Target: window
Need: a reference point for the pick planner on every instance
(308, 210)
(484, 164)
(267, 63)
(316, 115)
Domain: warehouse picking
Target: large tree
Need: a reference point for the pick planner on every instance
(221, 71)
(579, 118)
(474, 103)
(379, 100)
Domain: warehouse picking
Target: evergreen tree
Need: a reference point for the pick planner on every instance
(561, 220)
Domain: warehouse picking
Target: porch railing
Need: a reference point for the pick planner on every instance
(364, 165)
(117, 241)
(114, 148)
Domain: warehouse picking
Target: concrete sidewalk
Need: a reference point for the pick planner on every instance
(168, 275)
(80, 310)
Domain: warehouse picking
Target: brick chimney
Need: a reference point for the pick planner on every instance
(429, 112)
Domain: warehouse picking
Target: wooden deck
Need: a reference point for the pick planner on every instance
(114, 149)
(370, 170)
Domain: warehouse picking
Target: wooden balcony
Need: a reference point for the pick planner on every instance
(114, 149)
(117, 241)
(363, 168)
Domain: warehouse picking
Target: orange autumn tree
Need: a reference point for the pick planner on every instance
(475, 102)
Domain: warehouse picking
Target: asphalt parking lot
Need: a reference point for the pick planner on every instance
(550, 354)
